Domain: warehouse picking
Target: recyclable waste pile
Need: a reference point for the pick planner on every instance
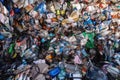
(59, 39)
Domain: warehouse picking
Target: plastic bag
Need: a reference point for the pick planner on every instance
(90, 43)
(41, 8)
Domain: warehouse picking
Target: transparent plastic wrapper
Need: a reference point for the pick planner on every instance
(2, 18)
(70, 68)
(77, 6)
(57, 5)
(74, 17)
(113, 71)
(52, 7)
(96, 74)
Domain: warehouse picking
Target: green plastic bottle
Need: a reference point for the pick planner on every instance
(11, 48)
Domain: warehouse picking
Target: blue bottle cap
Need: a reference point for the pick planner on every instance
(1, 37)
(43, 40)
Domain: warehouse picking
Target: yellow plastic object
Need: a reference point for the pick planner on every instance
(48, 57)
(62, 12)
(14, 56)
(58, 12)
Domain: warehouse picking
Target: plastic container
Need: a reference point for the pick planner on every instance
(54, 72)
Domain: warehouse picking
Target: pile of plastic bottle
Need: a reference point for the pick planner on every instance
(59, 39)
